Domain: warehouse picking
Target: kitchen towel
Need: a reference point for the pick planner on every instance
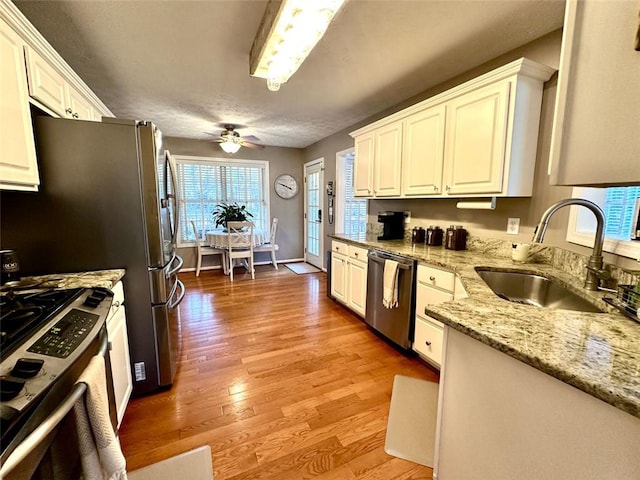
(390, 284)
(100, 451)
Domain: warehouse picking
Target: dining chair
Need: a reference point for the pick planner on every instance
(271, 246)
(240, 240)
(203, 250)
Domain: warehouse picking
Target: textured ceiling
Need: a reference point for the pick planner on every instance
(185, 64)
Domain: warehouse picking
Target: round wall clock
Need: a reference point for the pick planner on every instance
(286, 186)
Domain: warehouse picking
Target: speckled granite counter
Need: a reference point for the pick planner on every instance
(100, 278)
(597, 353)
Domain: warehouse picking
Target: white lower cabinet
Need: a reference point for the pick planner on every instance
(349, 276)
(119, 352)
(434, 286)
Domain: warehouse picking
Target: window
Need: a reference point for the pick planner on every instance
(351, 212)
(203, 183)
(620, 206)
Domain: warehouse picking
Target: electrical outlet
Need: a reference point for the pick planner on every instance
(407, 218)
(513, 226)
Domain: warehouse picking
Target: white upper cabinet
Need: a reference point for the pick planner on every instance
(377, 163)
(477, 139)
(595, 138)
(52, 90)
(423, 152)
(33, 73)
(18, 166)
(363, 165)
(387, 160)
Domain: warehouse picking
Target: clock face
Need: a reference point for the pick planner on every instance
(286, 186)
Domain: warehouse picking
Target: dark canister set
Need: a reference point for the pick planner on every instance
(455, 238)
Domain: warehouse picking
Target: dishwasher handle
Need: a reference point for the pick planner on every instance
(380, 258)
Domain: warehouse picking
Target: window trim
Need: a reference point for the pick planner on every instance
(195, 159)
(628, 248)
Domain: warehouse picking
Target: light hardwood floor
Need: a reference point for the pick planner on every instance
(279, 380)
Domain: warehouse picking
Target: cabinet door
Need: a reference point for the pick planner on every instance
(339, 277)
(79, 105)
(46, 85)
(18, 167)
(120, 362)
(363, 165)
(475, 140)
(388, 160)
(357, 290)
(423, 152)
(428, 339)
(595, 138)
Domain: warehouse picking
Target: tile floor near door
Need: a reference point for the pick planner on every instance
(280, 382)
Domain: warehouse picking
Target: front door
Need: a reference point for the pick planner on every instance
(313, 214)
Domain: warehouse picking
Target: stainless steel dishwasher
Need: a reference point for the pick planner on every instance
(394, 323)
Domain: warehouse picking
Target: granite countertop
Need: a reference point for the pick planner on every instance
(599, 353)
(99, 278)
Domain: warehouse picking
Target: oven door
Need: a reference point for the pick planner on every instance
(46, 444)
(166, 319)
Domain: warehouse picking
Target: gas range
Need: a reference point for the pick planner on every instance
(42, 336)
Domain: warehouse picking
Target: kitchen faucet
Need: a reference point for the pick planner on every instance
(595, 270)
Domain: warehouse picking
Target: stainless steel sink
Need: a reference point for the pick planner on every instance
(531, 289)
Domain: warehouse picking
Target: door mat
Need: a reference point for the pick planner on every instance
(302, 268)
(195, 465)
(411, 428)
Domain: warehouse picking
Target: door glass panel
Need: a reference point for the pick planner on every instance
(313, 206)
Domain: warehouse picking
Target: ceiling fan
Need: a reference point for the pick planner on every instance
(230, 141)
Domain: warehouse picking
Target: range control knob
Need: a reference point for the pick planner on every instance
(97, 296)
(10, 387)
(27, 367)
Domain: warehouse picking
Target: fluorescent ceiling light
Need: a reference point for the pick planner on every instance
(230, 146)
(288, 32)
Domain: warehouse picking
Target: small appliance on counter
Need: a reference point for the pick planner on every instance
(10, 267)
(455, 238)
(392, 225)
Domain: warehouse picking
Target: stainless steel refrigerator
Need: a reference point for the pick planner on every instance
(107, 201)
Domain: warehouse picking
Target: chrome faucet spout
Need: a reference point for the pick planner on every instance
(595, 264)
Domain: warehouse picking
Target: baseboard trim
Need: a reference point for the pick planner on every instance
(219, 267)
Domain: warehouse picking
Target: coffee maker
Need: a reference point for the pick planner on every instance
(392, 225)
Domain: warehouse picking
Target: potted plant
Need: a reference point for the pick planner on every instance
(230, 212)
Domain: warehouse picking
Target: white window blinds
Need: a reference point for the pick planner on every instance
(355, 209)
(204, 183)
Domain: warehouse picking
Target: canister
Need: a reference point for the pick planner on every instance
(417, 235)
(433, 236)
(456, 238)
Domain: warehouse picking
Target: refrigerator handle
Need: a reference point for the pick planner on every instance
(177, 301)
(177, 268)
(170, 177)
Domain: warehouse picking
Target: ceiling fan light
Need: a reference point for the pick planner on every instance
(230, 146)
(289, 31)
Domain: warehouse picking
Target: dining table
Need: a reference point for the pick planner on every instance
(219, 238)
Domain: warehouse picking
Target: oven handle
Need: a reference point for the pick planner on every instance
(46, 427)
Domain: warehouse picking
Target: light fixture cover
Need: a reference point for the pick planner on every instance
(230, 146)
(289, 31)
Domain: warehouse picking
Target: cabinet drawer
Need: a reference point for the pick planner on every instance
(428, 339)
(426, 295)
(435, 277)
(357, 253)
(339, 247)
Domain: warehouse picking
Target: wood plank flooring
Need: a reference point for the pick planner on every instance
(280, 381)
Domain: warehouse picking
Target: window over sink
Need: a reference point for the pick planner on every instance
(621, 207)
(205, 182)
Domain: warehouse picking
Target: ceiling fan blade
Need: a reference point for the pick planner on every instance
(250, 138)
(251, 145)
